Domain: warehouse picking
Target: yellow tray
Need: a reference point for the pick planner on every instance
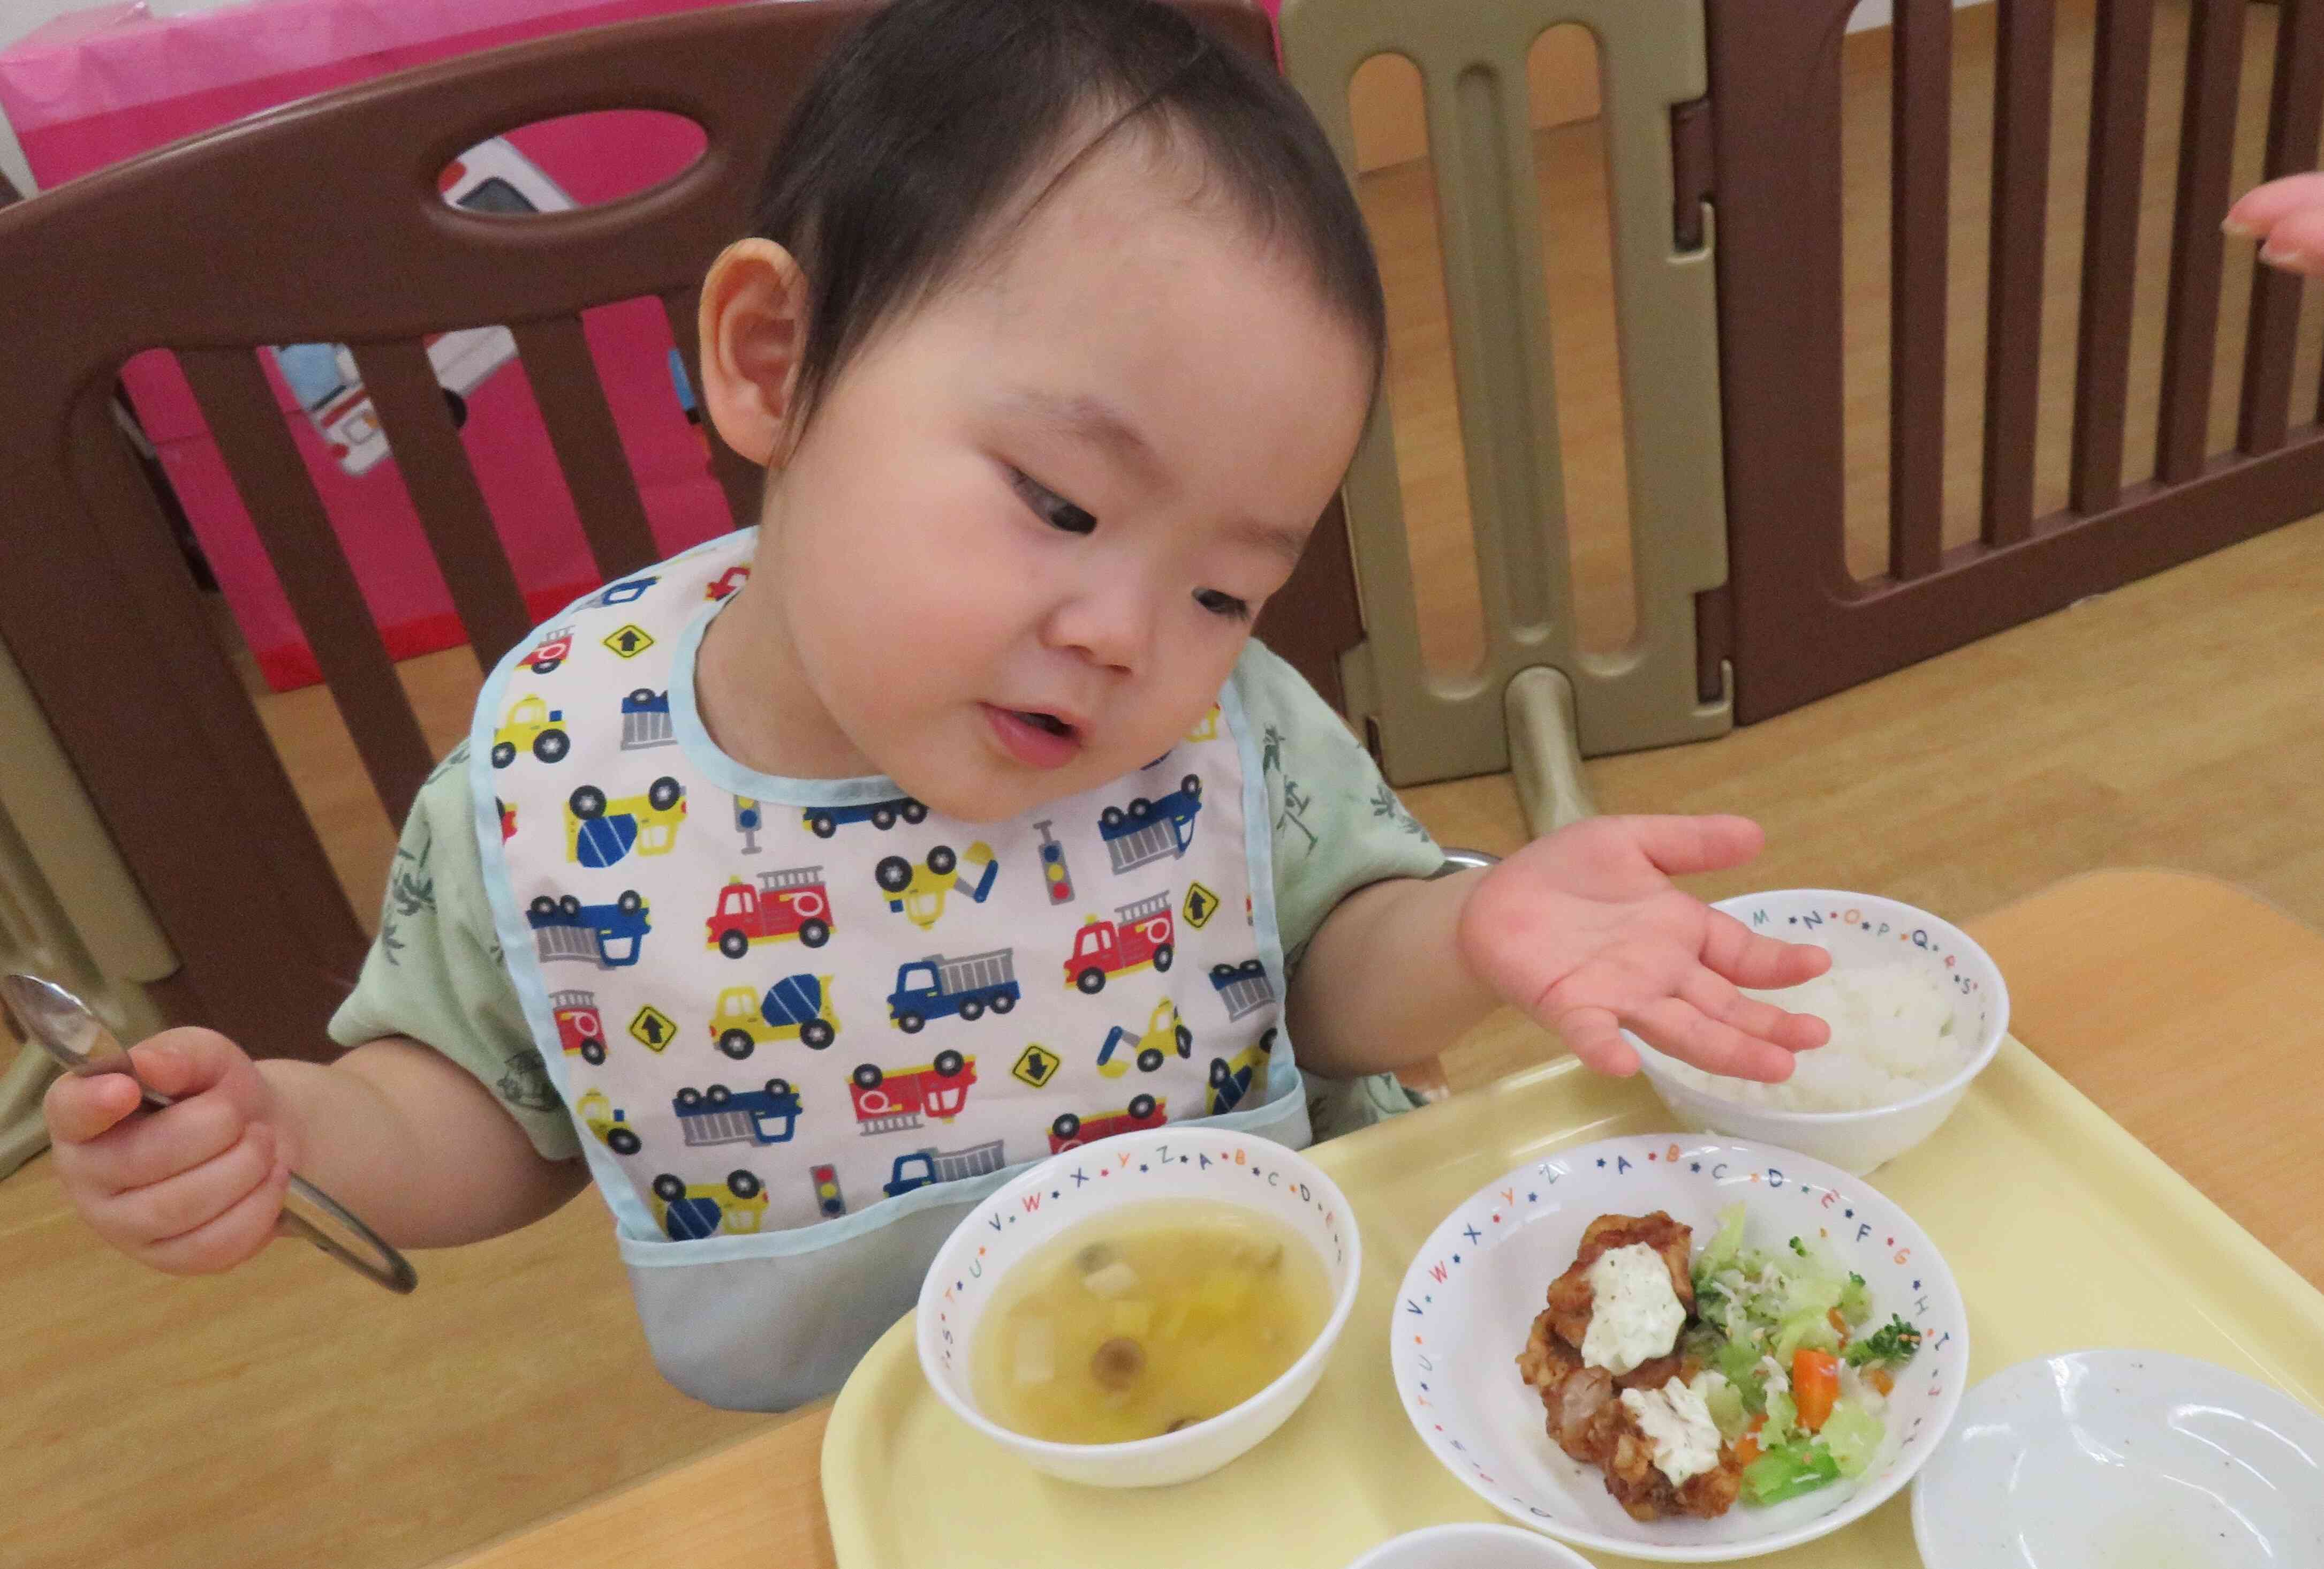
(2062, 1229)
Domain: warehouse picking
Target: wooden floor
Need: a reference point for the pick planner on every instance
(291, 1416)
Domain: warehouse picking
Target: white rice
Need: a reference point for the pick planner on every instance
(1892, 1039)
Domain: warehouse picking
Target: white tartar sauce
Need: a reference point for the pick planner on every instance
(1635, 1316)
(1686, 1440)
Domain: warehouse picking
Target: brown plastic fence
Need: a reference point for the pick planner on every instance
(213, 247)
(1802, 626)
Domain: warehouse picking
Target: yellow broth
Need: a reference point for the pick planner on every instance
(1146, 1319)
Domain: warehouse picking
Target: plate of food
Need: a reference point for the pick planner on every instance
(1680, 1349)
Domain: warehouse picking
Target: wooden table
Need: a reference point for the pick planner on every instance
(2189, 1010)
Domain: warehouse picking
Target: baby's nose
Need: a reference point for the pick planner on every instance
(1112, 625)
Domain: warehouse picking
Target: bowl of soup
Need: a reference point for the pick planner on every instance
(1141, 1310)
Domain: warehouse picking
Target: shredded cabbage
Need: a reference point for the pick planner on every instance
(1756, 1308)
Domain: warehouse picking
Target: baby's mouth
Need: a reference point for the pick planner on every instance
(1048, 722)
(1035, 737)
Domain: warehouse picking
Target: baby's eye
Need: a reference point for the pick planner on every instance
(1225, 605)
(1049, 506)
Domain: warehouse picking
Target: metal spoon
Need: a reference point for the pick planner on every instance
(79, 1040)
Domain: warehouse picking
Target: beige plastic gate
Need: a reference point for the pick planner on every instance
(1539, 698)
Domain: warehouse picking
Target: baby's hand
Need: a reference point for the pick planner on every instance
(1584, 931)
(2286, 216)
(192, 1189)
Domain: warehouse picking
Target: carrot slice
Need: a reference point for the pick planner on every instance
(1815, 1385)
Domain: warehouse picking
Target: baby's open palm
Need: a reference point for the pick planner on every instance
(1584, 930)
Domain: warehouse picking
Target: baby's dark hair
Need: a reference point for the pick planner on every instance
(909, 144)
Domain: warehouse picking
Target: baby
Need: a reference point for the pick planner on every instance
(799, 889)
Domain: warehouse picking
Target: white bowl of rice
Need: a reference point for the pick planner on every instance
(1916, 1011)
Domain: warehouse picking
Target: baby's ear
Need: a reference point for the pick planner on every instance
(753, 327)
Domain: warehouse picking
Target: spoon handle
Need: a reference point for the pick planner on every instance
(369, 1256)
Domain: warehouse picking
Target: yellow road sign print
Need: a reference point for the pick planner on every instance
(1036, 1065)
(1201, 905)
(652, 1028)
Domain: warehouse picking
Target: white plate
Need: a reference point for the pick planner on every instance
(1469, 1297)
(2123, 1460)
(1469, 1545)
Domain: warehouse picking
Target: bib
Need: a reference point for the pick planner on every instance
(804, 1024)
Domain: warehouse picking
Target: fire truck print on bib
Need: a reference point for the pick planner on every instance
(778, 1006)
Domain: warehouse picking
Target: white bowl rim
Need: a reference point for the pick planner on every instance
(1551, 1549)
(1162, 1443)
(1650, 1057)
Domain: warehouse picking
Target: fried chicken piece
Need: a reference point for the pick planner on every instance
(1571, 1298)
(1583, 1404)
(1711, 1493)
(1588, 1420)
(1631, 1474)
(1645, 1493)
(1547, 1359)
(1579, 1401)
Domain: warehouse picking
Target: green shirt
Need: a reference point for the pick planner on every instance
(436, 973)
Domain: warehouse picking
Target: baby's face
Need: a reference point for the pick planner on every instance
(1017, 550)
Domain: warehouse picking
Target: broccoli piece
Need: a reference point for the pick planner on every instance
(1799, 1247)
(1893, 1344)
